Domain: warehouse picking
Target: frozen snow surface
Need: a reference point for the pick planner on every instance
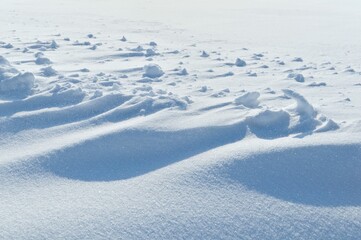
(151, 119)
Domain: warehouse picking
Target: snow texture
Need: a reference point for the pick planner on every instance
(203, 120)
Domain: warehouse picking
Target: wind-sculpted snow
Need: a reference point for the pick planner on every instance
(133, 153)
(117, 128)
(86, 100)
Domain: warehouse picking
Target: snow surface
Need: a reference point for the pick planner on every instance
(151, 119)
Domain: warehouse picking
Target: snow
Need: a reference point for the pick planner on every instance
(148, 119)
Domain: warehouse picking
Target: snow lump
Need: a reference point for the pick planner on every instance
(152, 71)
(13, 82)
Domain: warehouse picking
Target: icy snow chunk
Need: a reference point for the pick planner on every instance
(187, 99)
(8, 46)
(43, 46)
(12, 81)
(250, 74)
(39, 54)
(227, 74)
(297, 59)
(183, 72)
(152, 71)
(97, 94)
(218, 95)
(203, 89)
(138, 49)
(259, 55)
(240, 63)
(53, 45)
(314, 84)
(48, 72)
(77, 43)
(204, 54)
(296, 76)
(161, 92)
(144, 88)
(21, 83)
(4, 64)
(123, 39)
(349, 70)
(153, 44)
(42, 61)
(249, 100)
(330, 125)
(162, 102)
(150, 52)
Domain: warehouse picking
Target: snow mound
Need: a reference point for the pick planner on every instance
(12, 82)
